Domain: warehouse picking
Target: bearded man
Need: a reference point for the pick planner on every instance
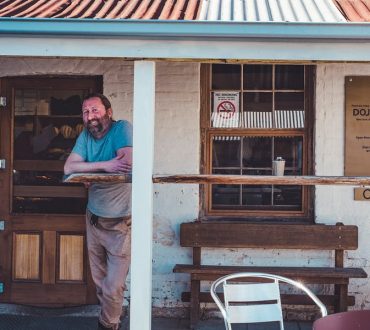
(105, 145)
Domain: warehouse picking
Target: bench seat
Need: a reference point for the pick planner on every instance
(220, 235)
(333, 275)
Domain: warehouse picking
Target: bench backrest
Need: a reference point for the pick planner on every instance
(269, 236)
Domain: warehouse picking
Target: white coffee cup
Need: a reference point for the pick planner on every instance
(278, 166)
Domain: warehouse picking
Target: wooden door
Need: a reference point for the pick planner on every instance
(43, 258)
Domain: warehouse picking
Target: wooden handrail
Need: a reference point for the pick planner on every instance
(227, 179)
(263, 179)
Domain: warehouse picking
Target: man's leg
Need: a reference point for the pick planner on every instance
(97, 255)
(116, 238)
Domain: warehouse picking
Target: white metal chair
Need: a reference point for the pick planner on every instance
(251, 302)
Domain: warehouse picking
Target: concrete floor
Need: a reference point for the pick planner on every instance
(19, 322)
(13, 317)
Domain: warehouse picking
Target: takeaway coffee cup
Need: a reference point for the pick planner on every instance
(278, 166)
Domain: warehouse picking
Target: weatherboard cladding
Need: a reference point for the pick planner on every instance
(208, 10)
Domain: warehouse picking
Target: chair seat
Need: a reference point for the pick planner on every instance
(344, 321)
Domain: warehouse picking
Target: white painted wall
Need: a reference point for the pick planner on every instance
(177, 144)
(336, 203)
(177, 148)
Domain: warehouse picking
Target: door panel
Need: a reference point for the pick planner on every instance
(43, 259)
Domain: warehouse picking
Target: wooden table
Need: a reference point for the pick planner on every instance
(351, 320)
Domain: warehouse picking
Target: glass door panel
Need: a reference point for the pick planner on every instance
(47, 122)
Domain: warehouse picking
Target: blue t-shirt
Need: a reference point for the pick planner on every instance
(109, 200)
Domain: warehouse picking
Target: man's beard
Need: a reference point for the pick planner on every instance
(101, 128)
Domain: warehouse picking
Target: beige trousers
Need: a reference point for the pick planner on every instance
(109, 249)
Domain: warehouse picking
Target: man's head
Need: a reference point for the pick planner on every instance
(97, 114)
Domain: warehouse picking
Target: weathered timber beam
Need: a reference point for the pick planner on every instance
(97, 178)
(263, 179)
(226, 179)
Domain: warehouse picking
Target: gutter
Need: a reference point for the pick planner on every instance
(183, 29)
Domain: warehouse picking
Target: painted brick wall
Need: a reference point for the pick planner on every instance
(176, 146)
(335, 203)
(177, 151)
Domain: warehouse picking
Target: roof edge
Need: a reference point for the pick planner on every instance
(183, 29)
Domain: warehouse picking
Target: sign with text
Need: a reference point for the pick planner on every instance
(226, 104)
(357, 138)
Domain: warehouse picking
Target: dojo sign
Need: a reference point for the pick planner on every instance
(357, 133)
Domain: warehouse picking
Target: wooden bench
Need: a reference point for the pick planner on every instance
(338, 238)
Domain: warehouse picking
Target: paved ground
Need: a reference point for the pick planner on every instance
(26, 318)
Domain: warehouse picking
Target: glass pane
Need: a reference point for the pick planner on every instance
(257, 110)
(288, 197)
(289, 101)
(226, 76)
(257, 155)
(226, 196)
(49, 205)
(46, 125)
(257, 77)
(226, 151)
(289, 111)
(290, 149)
(254, 196)
(289, 77)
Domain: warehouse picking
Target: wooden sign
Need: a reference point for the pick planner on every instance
(362, 194)
(357, 133)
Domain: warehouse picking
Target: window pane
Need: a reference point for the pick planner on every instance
(290, 149)
(226, 76)
(257, 110)
(289, 101)
(257, 77)
(254, 196)
(288, 196)
(289, 111)
(226, 151)
(289, 77)
(257, 155)
(256, 101)
(225, 196)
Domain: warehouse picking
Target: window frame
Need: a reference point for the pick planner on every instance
(206, 133)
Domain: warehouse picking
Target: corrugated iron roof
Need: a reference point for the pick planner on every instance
(113, 9)
(270, 11)
(355, 10)
(208, 10)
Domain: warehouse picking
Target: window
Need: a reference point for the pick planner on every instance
(251, 115)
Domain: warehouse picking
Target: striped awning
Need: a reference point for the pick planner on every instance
(281, 119)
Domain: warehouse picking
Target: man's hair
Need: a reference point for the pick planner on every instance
(102, 98)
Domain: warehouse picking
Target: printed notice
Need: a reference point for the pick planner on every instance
(225, 109)
(357, 139)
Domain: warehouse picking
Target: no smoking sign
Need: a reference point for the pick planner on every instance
(226, 104)
(226, 109)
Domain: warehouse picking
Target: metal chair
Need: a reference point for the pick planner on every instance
(251, 302)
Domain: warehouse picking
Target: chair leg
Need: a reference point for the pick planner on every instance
(194, 303)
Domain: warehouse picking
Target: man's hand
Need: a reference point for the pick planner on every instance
(118, 164)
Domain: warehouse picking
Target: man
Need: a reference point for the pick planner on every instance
(105, 145)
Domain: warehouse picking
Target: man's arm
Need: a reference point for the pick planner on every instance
(120, 164)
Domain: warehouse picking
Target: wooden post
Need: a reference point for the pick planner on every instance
(142, 196)
(195, 291)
